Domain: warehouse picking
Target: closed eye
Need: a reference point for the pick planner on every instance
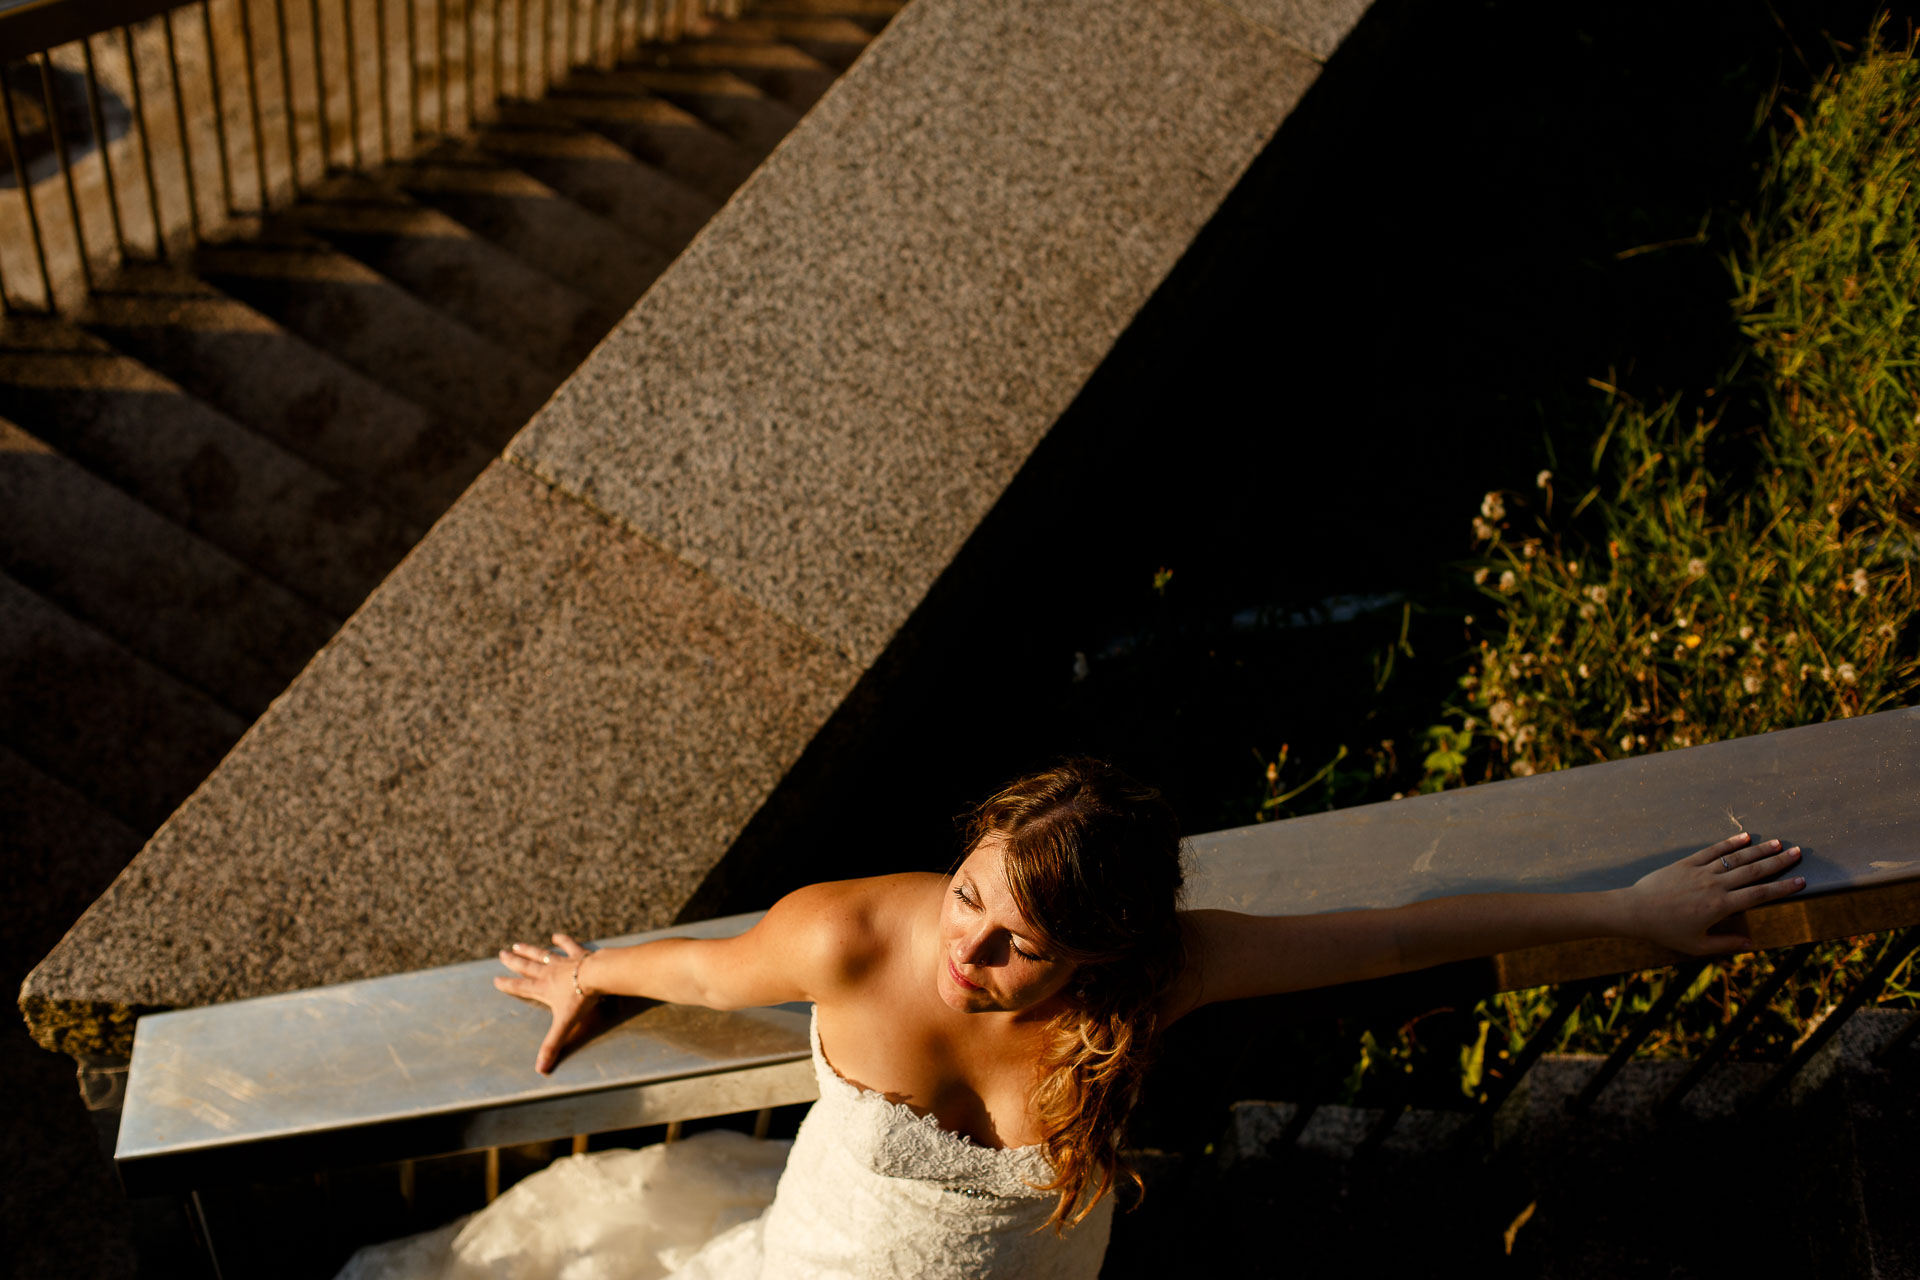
(959, 891)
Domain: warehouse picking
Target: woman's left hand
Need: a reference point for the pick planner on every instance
(1676, 905)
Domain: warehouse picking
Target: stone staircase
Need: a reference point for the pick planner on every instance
(206, 469)
(1819, 1182)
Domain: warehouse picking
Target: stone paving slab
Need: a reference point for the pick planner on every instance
(538, 722)
(823, 396)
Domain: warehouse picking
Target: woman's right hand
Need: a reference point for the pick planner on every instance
(548, 978)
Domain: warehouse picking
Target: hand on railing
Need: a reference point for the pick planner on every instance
(1677, 905)
(551, 979)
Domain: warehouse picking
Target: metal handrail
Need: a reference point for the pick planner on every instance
(333, 37)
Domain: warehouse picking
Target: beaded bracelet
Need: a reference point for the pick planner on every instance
(576, 976)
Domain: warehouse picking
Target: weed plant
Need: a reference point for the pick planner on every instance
(1719, 563)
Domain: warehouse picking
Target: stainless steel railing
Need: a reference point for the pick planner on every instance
(161, 124)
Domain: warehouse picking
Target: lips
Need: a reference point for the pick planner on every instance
(961, 978)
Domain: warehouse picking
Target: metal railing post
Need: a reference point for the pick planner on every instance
(59, 138)
(180, 121)
(219, 106)
(21, 183)
(320, 89)
(253, 103)
(353, 86)
(146, 146)
(286, 94)
(97, 121)
(1657, 1013)
(380, 55)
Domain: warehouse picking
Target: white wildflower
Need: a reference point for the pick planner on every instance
(1696, 568)
(1597, 594)
(1480, 576)
(1682, 740)
(1482, 531)
(1746, 633)
(1521, 769)
(1751, 683)
(1858, 582)
(1492, 508)
(1626, 742)
(1500, 716)
(1584, 673)
(1587, 610)
(1542, 480)
(1507, 581)
(1846, 673)
(1573, 568)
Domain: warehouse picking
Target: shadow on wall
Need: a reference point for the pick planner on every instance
(28, 99)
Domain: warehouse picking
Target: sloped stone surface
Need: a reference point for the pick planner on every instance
(824, 395)
(539, 722)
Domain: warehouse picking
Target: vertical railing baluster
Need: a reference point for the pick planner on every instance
(1730, 1034)
(499, 92)
(566, 59)
(380, 59)
(320, 89)
(440, 59)
(413, 75)
(98, 121)
(219, 108)
(353, 86)
(25, 188)
(520, 55)
(1677, 987)
(286, 93)
(180, 119)
(66, 169)
(493, 1174)
(146, 146)
(602, 51)
(1899, 947)
(253, 102)
(466, 66)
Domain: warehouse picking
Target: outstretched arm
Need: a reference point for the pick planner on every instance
(802, 948)
(1233, 956)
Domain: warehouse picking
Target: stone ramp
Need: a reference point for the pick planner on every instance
(567, 702)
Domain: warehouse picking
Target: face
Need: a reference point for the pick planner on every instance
(991, 961)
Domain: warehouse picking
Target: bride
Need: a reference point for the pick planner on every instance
(979, 1039)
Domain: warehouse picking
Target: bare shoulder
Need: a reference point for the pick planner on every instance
(844, 931)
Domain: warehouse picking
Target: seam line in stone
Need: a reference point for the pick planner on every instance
(648, 539)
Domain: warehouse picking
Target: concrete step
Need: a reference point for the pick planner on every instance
(194, 465)
(128, 737)
(722, 99)
(61, 851)
(830, 39)
(778, 70)
(376, 326)
(174, 599)
(654, 130)
(598, 174)
(281, 386)
(524, 216)
(437, 259)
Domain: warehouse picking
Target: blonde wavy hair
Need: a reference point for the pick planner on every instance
(1094, 863)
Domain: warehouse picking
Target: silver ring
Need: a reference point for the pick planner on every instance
(546, 957)
(1725, 863)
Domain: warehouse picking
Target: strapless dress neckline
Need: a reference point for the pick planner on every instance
(829, 1074)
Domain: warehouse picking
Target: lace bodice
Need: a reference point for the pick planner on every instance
(874, 1189)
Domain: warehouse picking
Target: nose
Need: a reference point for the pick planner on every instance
(974, 947)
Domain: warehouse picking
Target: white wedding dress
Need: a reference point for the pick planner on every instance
(870, 1190)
